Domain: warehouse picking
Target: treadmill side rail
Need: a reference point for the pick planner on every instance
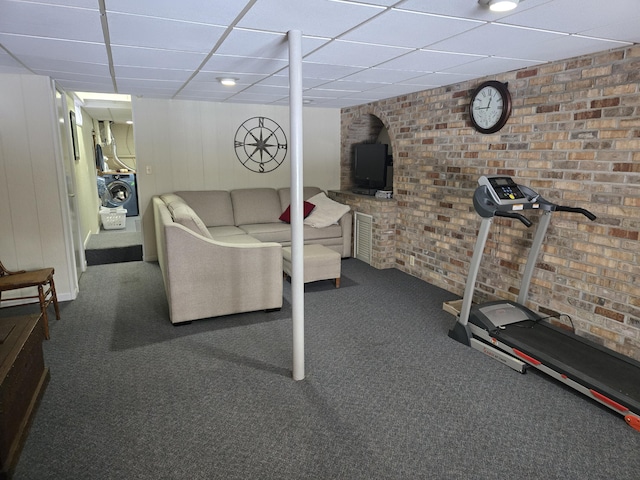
(633, 421)
(499, 355)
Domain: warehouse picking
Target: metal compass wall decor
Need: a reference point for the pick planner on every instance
(261, 144)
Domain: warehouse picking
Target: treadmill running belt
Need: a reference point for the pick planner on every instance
(577, 357)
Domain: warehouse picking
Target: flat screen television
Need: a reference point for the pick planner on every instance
(370, 166)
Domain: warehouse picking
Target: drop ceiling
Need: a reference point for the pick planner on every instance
(353, 52)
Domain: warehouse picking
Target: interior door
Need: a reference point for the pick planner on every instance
(70, 177)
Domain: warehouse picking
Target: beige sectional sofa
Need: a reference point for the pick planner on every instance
(220, 251)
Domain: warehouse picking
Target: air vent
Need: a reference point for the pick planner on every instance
(362, 232)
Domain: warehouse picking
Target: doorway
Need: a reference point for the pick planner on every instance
(117, 235)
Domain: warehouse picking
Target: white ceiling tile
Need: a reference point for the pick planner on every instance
(387, 91)
(353, 86)
(53, 65)
(213, 12)
(252, 43)
(499, 40)
(153, 58)
(464, 8)
(88, 4)
(140, 87)
(490, 66)
(123, 71)
(438, 79)
(324, 71)
(428, 61)
(283, 81)
(567, 47)
(322, 93)
(355, 54)
(242, 79)
(409, 29)
(382, 3)
(267, 90)
(233, 64)
(139, 31)
(52, 21)
(381, 75)
(249, 97)
(206, 96)
(43, 48)
(79, 86)
(126, 85)
(158, 45)
(66, 76)
(212, 87)
(575, 16)
(312, 17)
(625, 30)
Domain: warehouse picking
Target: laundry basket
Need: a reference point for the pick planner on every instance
(113, 218)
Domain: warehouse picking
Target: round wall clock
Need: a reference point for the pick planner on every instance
(490, 106)
(260, 144)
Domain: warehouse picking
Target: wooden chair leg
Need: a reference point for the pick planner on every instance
(43, 309)
(338, 282)
(54, 296)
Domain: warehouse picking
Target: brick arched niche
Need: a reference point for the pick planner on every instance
(361, 127)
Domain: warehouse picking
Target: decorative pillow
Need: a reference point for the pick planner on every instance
(184, 215)
(306, 206)
(327, 212)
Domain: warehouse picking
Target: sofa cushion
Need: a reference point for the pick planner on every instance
(184, 215)
(327, 212)
(212, 206)
(285, 195)
(238, 240)
(225, 231)
(306, 210)
(269, 232)
(171, 198)
(255, 205)
(332, 231)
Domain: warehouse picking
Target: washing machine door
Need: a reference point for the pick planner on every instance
(118, 193)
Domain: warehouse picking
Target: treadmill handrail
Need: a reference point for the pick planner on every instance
(517, 216)
(583, 211)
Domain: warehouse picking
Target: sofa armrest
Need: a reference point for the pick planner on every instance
(346, 222)
(207, 278)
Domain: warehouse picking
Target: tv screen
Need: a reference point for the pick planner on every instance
(370, 167)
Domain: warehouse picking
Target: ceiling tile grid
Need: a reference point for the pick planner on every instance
(354, 51)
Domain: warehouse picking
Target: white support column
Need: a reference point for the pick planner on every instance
(297, 237)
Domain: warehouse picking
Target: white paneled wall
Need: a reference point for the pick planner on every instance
(189, 145)
(31, 203)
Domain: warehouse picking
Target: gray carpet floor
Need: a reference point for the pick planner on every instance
(387, 394)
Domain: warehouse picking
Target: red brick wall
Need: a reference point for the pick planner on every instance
(574, 136)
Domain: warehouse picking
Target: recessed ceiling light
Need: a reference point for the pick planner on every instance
(227, 81)
(499, 5)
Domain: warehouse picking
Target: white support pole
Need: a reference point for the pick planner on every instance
(297, 237)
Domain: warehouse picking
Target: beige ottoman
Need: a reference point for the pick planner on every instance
(320, 263)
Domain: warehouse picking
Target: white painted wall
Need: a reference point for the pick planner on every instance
(189, 145)
(85, 172)
(32, 188)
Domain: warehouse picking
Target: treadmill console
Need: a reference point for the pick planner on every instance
(503, 190)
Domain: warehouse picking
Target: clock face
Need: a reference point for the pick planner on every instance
(490, 107)
(260, 144)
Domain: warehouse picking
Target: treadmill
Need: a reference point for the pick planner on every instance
(520, 338)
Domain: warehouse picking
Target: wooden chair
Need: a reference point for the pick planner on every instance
(34, 278)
